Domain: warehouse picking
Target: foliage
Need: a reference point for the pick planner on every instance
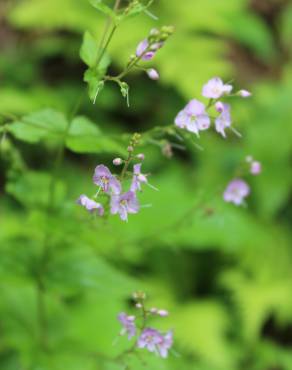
(223, 272)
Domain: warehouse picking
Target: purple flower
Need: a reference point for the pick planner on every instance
(150, 339)
(124, 204)
(141, 49)
(90, 204)
(193, 117)
(107, 182)
(165, 344)
(255, 168)
(236, 191)
(224, 119)
(154, 341)
(215, 88)
(128, 324)
(139, 178)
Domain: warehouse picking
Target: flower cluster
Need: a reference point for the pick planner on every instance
(146, 337)
(110, 189)
(238, 189)
(148, 48)
(195, 117)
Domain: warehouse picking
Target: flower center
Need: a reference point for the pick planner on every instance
(123, 202)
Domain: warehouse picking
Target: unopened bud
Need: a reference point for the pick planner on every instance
(153, 310)
(117, 161)
(138, 305)
(244, 93)
(154, 32)
(140, 156)
(130, 149)
(153, 74)
(162, 313)
(139, 296)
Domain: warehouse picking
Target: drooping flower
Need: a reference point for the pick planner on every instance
(153, 74)
(128, 323)
(141, 51)
(107, 182)
(154, 341)
(90, 204)
(236, 191)
(193, 117)
(244, 93)
(224, 119)
(215, 88)
(139, 179)
(255, 168)
(124, 204)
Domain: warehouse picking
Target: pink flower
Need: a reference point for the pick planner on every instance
(105, 180)
(236, 191)
(141, 50)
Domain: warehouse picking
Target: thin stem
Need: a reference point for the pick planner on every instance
(105, 32)
(126, 165)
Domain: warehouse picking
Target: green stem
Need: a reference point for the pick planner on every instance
(105, 32)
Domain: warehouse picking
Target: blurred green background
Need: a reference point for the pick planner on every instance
(224, 273)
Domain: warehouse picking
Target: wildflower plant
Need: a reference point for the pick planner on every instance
(145, 337)
(118, 184)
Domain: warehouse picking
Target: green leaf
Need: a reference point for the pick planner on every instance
(85, 137)
(136, 9)
(89, 49)
(99, 5)
(37, 126)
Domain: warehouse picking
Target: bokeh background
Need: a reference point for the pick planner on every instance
(224, 273)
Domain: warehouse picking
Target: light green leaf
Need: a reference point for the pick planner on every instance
(37, 126)
(89, 49)
(99, 5)
(85, 137)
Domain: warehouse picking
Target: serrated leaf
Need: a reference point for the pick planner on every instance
(39, 125)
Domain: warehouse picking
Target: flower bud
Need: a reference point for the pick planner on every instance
(117, 161)
(153, 310)
(154, 32)
(130, 149)
(153, 74)
(139, 296)
(244, 93)
(255, 168)
(162, 313)
(140, 156)
(138, 305)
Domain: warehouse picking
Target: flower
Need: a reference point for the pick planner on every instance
(193, 117)
(153, 74)
(236, 191)
(162, 313)
(128, 324)
(141, 51)
(139, 178)
(224, 119)
(90, 204)
(165, 344)
(124, 204)
(107, 182)
(215, 88)
(154, 341)
(244, 93)
(255, 168)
